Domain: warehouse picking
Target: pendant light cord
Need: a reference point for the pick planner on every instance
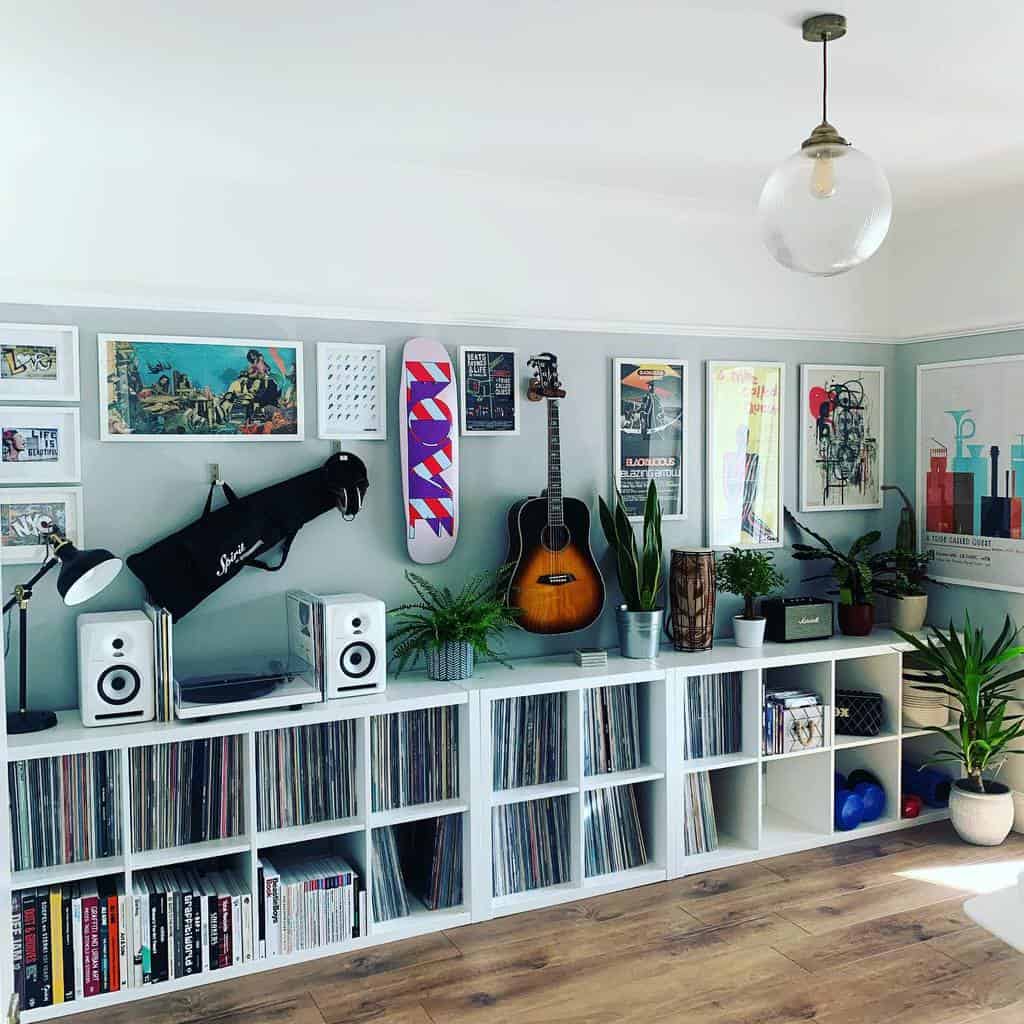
(824, 79)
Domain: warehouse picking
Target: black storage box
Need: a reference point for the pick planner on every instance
(858, 713)
(797, 618)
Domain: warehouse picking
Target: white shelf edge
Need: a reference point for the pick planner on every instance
(611, 780)
(145, 860)
(713, 764)
(416, 812)
(60, 873)
(270, 838)
(768, 758)
(852, 742)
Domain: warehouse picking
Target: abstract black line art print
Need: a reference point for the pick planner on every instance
(841, 437)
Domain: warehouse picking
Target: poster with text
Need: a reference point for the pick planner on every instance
(650, 433)
(744, 460)
(841, 432)
(970, 471)
(490, 391)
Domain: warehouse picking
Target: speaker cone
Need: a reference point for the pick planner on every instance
(357, 660)
(119, 684)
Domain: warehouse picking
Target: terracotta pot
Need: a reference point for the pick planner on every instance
(856, 619)
(984, 819)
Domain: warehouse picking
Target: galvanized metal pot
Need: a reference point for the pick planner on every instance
(639, 633)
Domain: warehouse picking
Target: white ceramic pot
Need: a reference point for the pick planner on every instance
(984, 819)
(908, 613)
(1018, 812)
(748, 632)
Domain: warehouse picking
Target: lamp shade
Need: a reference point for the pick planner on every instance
(825, 209)
(83, 574)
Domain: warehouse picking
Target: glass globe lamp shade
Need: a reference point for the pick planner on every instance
(825, 209)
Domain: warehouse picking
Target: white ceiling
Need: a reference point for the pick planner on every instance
(685, 100)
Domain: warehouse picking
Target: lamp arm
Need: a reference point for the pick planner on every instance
(47, 566)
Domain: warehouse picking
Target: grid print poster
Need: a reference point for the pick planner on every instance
(351, 389)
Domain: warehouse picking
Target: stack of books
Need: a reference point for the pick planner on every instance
(530, 845)
(528, 740)
(186, 792)
(306, 775)
(414, 757)
(611, 729)
(794, 720)
(64, 809)
(700, 831)
(613, 832)
(164, 661)
(713, 715)
(591, 657)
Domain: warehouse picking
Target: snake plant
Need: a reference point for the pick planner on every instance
(639, 568)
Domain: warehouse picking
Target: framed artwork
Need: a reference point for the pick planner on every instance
(351, 391)
(842, 432)
(744, 453)
(649, 398)
(38, 363)
(40, 445)
(970, 471)
(489, 378)
(156, 388)
(26, 513)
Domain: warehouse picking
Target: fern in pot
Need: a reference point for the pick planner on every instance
(640, 574)
(979, 686)
(450, 630)
(750, 574)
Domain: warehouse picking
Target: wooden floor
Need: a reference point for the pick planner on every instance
(867, 931)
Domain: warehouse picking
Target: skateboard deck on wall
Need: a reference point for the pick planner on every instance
(428, 404)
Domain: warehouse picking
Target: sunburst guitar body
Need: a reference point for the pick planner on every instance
(555, 582)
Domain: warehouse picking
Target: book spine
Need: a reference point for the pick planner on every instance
(237, 948)
(103, 942)
(160, 967)
(247, 936)
(17, 947)
(30, 942)
(91, 944)
(213, 917)
(188, 956)
(79, 955)
(57, 943)
(224, 930)
(261, 913)
(124, 924)
(45, 950)
(71, 967)
(274, 921)
(113, 943)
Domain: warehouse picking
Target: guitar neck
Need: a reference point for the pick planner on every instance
(555, 511)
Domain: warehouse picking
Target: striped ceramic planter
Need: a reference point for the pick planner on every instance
(449, 662)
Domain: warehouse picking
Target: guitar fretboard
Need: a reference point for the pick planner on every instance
(554, 467)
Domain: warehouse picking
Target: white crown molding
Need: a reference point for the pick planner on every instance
(963, 331)
(68, 298)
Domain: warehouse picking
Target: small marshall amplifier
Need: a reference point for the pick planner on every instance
(797, 618)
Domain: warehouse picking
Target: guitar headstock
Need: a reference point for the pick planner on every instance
(545, 382)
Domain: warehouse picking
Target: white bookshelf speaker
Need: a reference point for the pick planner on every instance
(355, 645)
(115, 668)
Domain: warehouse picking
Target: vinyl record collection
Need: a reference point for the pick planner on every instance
(306, 774)
(712, 715)
(793, 720)
(390, 900)
(163, 662)
(611, 736)
(186, 792)
(306, 901)
(414, 757)
(530, 845)
(528, 740)
(700, 830)
(613, 832)
(64, 809)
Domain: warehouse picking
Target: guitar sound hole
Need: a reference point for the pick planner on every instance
(555, 538)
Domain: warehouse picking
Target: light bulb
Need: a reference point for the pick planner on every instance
(823, 177)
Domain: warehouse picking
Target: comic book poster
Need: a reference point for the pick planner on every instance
(970, 471)
(841, 435)
(155, 388)
(650, 433)
(744, 461)
(490, 390)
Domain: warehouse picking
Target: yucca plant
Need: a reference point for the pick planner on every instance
(977, 683)
(476, 615)
(639, 568)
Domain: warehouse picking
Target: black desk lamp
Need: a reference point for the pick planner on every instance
(83, 574)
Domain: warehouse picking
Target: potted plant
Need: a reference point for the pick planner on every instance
(749, 574)
(852, 571)
(980, 686)
(640, 575)
(901, 575)
(450, 629)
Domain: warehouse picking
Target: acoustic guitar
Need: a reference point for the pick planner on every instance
(555, 581)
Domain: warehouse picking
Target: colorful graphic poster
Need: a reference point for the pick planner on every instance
(490, 390)
(27, 515)
(842, 412)
(31, 444)
(188, 388)
(650, 404)
(744, 461)
(970, 471)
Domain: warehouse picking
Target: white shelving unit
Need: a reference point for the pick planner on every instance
(765, 806)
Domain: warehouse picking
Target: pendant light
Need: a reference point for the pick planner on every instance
(827, 208)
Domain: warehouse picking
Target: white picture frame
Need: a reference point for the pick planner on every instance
(366, 417)
(467, 427)
(832, 464)
(41, 445)
(680, 436)
(39, 363)
(26, 505)
(723, 525)
(958, 401)
(117, 388)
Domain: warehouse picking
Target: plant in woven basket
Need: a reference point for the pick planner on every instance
(476, 615)
(639, 567)
(749, 574)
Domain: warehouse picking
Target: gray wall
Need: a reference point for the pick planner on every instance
(137, 493)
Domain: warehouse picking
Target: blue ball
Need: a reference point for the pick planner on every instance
(849, 810)
(873, 799)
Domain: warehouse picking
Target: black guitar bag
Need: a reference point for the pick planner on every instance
(182, 570)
